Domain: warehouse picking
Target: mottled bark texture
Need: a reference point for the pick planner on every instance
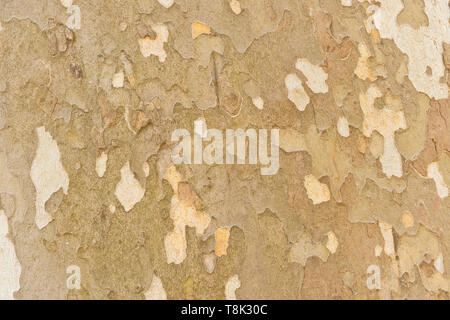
(94, 206)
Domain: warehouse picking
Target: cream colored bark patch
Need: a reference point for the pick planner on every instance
(117, 80)
(128, 190)
(318, 192)
(296, 92)
(149, 46)
(183, 213)
(423, 46)
(433, 173)
(386, 122)
(48, 175)
(342, 127)
(173, 177)
(100, 164)
(156, 290)
(439, 263)
(316, 77)
(332, 243)
(10, 268)
(66, 3)
(222, 236)
(258, 102)
(231, 286)
(146, 169)
(199, 28)
(166, 3)
(235, 6)
(386, 232)
(362, 68)
(346, 3)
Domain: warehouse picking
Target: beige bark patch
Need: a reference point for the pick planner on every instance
(316, 77)
(184, 213)
(423, 46)
(441, 186)
(189, 289)
(296, 92)
(146, 169)
(173, 177)
(10, 268)
(332, 243)
(149, 46)
(420, 251)
(346, 3)
(231, 286)
(258, 102)
(401, 73)
(156, 290)
(407, 219)
(318, 192)
(235, 6)
(433, 280)
(439, 263)
(100, 164)
(342, 127)
(166, 3)
(199, 28)
(376, 145)
(412, 250)
(48, 175)
(386, 232)
(362, 68)
(67, 3)
(128, 190)
(413, 14)
(292, 140)
(222, 236)
(210, 262)
(386, 122)
(117, 80)
(305, 248)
